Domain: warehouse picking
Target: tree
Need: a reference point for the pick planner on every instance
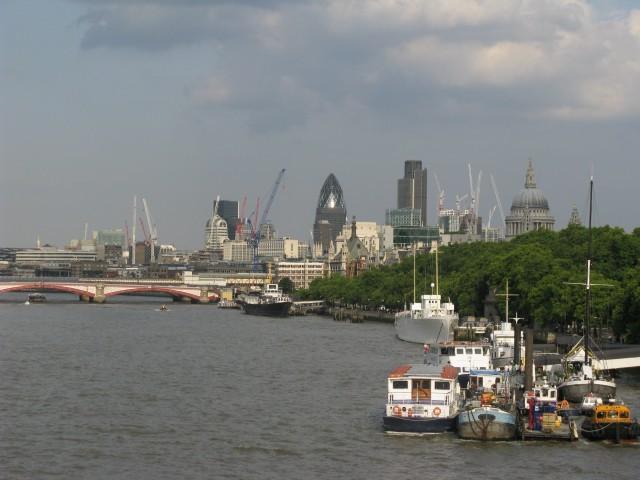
(286, 285)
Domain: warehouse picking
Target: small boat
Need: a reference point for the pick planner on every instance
(227, 304)
(422, 398)
(36, 298)
(487, 415)
(610, 421)
(164, 308)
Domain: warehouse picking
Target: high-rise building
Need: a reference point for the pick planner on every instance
(412, 189)
(230, 211)
(331, 214)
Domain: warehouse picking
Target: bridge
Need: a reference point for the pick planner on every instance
(99, 290)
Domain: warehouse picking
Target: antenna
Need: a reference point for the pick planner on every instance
(506, 296)
(133, 232)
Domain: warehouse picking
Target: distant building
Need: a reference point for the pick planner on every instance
(574, 219)
(229, 211)
(216, 232)
(529, 210)
(109, 237)
(331, 214)
(412, 189)
(301, 273)
(236, 251)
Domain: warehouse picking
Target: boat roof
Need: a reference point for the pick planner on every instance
(459, 343)
(422, 370)
(486, 373)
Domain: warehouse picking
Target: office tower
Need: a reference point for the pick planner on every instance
(229, 210)
(412, 189)
(331, 214)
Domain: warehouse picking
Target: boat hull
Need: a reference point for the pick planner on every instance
(609, 431)
(575, 390)
(430, 330)
(275, 309)
(486, 423)
(419, 425)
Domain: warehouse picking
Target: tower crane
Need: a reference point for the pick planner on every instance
(240, 223)
(153, 232)
(495, 192)
(263, 217)
(440, 194)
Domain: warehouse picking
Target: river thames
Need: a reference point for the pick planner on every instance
(127, 391)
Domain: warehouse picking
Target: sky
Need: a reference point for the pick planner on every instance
(181, 101)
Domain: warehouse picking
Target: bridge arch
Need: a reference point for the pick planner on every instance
(47, 287)
(172, 292)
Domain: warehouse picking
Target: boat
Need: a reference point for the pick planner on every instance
(164, 308)
(488, 414)
(503, 339)
(428, 321)
(610, 421)
(583, 379)
(227, 304)
(543, 417)
(271, 302)
(422, 399)
(36, 298)
(466, 356)
(589, 402)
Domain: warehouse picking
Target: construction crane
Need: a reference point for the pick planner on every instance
(214, 212)
(486, 230)
(264, 217)
(495, 192)
(133, 234)
(144, 231)
(153, 232)
(241, 221)
(440, 194)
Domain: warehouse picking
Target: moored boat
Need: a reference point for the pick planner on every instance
(271, 302)
(36, 298)
(610, 421)
(422, 398)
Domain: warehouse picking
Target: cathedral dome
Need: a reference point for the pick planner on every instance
(530, 196)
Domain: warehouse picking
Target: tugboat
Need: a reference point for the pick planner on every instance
(271, 302)
(422, 398)
(610, 421)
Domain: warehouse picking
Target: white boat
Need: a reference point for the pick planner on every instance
(422, 398)
(584, 379)
(466, 356)
(429, 321)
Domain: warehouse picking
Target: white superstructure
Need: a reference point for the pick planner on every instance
(429, 321)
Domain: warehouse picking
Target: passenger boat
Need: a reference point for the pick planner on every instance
(422, 398)
(611, 421)
(428, 321)
(270, 302)
(583, 380)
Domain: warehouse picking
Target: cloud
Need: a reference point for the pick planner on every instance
(550, 58)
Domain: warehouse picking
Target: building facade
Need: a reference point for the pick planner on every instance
(229, 210)
(529, 210)
(301, 273)
(331, 214)
(412, 189)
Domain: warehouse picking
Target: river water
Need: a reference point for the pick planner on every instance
(126, 391)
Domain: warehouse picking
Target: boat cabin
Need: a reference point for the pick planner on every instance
(466, 356)
(611, 413)
(419, 390)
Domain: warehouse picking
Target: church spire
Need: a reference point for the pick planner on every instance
(575, 217)
(530, 181)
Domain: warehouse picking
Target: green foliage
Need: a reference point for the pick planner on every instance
(286, 285)
(540, 266)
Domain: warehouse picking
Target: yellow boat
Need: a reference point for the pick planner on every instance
(610, 421)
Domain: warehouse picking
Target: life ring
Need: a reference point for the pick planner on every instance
(410, 412)
(397, 411)
(437, 411)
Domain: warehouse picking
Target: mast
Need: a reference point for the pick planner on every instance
(437, 288)
(414, 273)
(587, 312)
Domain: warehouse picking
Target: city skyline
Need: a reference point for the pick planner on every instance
(180, 102)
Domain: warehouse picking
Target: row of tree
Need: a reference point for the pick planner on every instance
(542, 267)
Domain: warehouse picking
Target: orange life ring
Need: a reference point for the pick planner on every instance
(396, 410)
(410, 412)
(437, 411)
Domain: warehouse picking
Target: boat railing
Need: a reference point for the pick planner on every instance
(420, 402)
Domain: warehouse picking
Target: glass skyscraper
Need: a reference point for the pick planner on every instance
(331, 213)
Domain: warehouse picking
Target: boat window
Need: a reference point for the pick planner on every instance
(469, 351)
(613, 414)
(400, 384)
(545, 392)
(552, 393)
(601, 414)
(624, 414)
(424, 384)
(460, 351)
(478, 351)
(441, 385)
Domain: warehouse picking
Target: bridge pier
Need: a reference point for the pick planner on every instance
(204, 295)
(84, 298)
(99, 296)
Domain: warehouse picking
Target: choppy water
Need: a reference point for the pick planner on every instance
(125, 391)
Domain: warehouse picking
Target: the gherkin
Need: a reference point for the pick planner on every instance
(331, 213)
